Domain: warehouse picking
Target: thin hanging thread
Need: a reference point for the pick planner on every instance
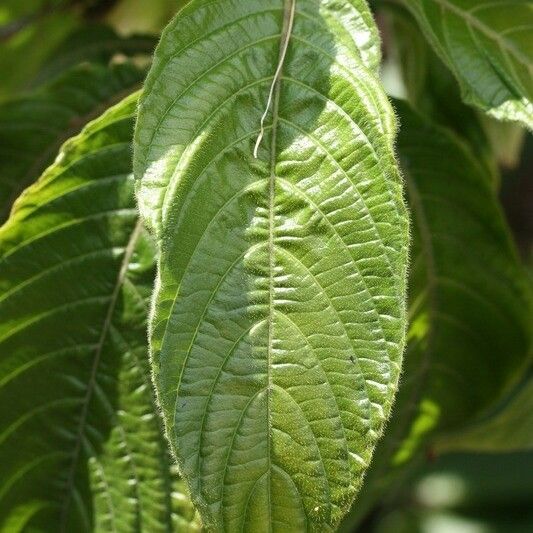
(277, 75)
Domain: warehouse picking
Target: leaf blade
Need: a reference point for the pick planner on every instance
(465, 307)
(505, 429)
(76, 274)
(234, 315)
(33, 127)
(485, 46)
(470, 303)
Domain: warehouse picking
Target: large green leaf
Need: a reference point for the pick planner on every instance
(433, 91)
(80, 439)
(488, 46)
(33, 127)
(278, 322)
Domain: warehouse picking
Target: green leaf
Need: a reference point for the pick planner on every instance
(81, 443)
(470, 305)
(433, 91)
(27, 61)
(33, 128)
(278, 323)
(470, 299)
(15, 16)
(488, 47)
(24, 54)
(92, 43)
(507, 428)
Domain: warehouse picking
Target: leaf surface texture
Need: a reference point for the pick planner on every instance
(470, 307)
(488, 46)
(278, 321)
(80, 439)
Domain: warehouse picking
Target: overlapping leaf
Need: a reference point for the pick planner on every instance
(489, 48)
(433, 91)
(470, 300)
(33, 128)
(92, 43)
(277, 330)
(470, 306)
(81, 443)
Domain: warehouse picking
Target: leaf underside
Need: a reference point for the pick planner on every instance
(278, 320)
(433, 91)
(489, 48)
(81, 443)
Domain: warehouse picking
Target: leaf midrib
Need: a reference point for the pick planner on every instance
(94, 371)
(288, 20)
